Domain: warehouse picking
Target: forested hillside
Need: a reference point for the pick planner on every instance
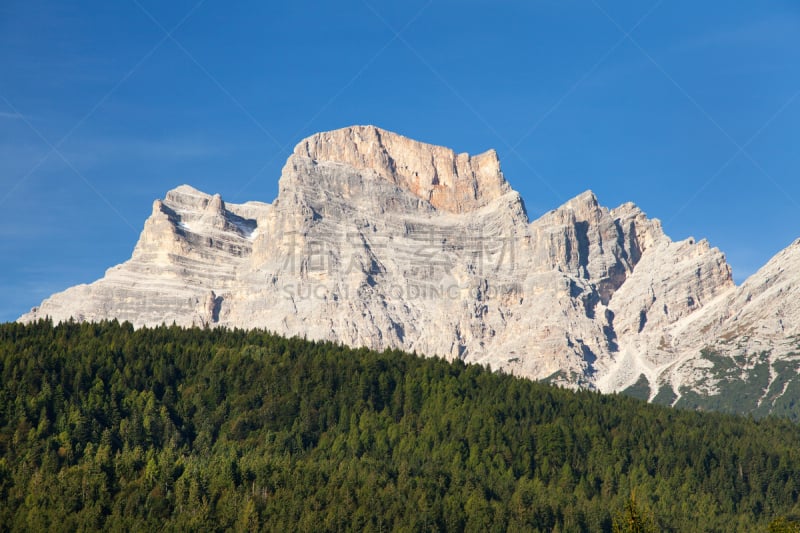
(103, 426)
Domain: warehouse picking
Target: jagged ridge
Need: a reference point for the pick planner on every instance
(382, 241)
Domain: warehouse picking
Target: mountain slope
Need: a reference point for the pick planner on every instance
(377, 240)
(751, 362)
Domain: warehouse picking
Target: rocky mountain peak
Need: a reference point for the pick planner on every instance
(450, 182)
(585, 205)
(216, 205)
(382, 241)
(186, 197)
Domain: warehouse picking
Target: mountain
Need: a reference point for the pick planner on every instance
(378, 240)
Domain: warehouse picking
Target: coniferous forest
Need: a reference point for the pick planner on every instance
(107, 427)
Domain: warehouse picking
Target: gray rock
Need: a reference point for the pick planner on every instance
(377, 240)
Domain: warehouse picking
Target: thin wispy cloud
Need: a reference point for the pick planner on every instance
(27, 231)
(17, 156)
(763, 32)
(170, 149)
(11, 116)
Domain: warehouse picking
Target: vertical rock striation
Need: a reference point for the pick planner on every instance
(382, 241)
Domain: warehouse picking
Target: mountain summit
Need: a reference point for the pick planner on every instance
(456, 183)
(382, 241)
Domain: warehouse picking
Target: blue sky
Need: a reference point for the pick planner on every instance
(689, 109)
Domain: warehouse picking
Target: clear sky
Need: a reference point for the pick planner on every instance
(689, 109)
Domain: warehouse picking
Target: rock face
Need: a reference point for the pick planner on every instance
(381, 241)
(455, 183)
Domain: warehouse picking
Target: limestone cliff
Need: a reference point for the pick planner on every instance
(381, 241)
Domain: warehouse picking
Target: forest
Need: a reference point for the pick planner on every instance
(107, 427)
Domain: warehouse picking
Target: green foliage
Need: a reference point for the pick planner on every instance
(784, 525)
(107, 427)
(748, 384)
(640, 389)
(665, 396)
(634, 520)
